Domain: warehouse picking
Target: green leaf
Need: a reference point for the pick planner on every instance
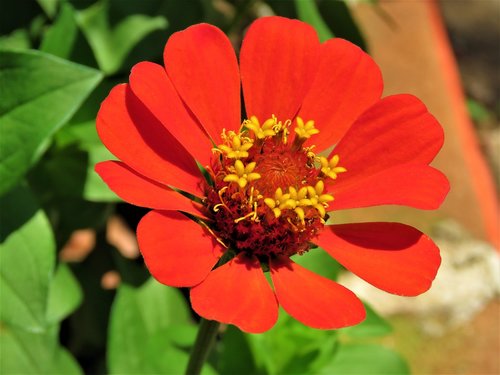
(112, 45)
(163, 358)
(61, 36)
(307, 11)
(38, 95)
(289, 345)
(137, 317)
(235, 354)
(180, 335)
(373, 325)
(27, 256)
(28, 341)
(84, 135)
(49, 7)
(366, 359)
(95, 188)
(61, 196)
(18, 39)
(65, 294)
(25, 352)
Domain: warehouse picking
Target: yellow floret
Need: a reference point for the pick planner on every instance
(331, 168)
(266, 130)
(242, 174)
(305, 130)
(237, 147)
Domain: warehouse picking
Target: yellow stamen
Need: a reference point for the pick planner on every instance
(236, 146)
(305, 130)
(252, 215)
(278, 203)
(222, 204)
(213, 234)
(243, 174)
(330, 168)
(300, 213)
(261, 132)
(319, 200)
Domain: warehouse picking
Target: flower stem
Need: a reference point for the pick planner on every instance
(201, 348)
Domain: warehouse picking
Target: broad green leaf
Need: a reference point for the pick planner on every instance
(25, 352)
(61, 36)
(366, 359)
(137, 315)
(65, 294)
(38, 95)
(308, 12)
(27, 257)
(28, 341)
(373, 325)
(112, 45)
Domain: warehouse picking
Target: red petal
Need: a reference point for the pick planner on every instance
(277, 62)
(133, 135)
(177, 251)
(397, 130)
(202, 65)
(314, 300)
(151, 85)
(418, 186)
(391, 256)
(142, 191)
(347, 82)
(237, 293)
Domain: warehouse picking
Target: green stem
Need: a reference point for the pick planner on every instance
(204, 342)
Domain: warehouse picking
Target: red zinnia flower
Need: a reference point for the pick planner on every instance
(273, 177)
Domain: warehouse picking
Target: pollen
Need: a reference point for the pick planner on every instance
(268, 197)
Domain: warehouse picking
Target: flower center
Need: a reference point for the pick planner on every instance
(268, 196)
(281, 168)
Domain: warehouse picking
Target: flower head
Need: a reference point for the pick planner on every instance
(272, 186)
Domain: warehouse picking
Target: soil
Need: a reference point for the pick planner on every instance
(470, 350)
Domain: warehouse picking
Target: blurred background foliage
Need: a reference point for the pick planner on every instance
(75, 295)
